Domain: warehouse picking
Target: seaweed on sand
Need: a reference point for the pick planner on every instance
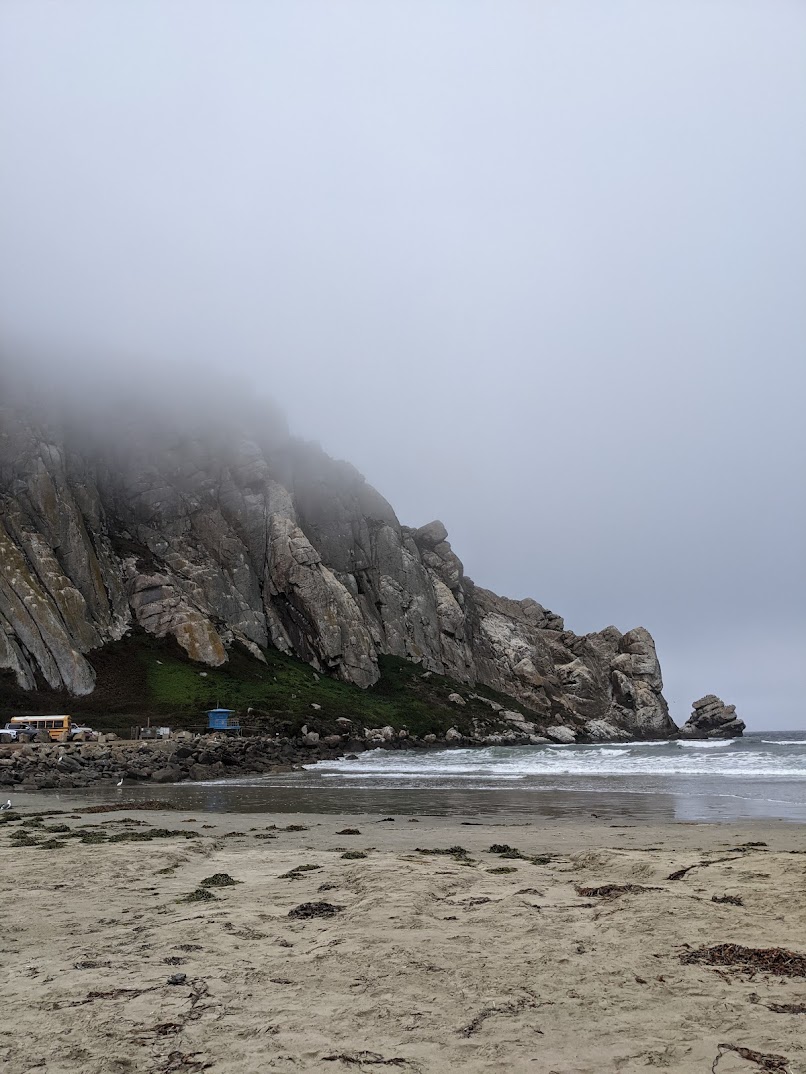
(218, 880)
(307, 910)
(613, 891)
(199, 895)
(297, 871)
(451, 852)
(775, 960)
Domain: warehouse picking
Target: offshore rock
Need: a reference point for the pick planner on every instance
(220, 531)
(712, 718)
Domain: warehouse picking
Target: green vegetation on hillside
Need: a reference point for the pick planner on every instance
(144, 677)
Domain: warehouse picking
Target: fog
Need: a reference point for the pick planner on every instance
(536, 268)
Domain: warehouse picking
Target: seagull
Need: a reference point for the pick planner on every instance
(3, 808)
(119, 782)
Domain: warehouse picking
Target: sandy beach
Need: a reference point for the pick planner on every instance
(472, 960)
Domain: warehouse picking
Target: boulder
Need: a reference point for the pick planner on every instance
(453, 735)
(169, 774)
(457, 699)
(561, 734)
(602, 731)
(712, 718)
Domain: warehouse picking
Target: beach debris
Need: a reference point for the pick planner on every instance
(109, 807)
(613, 891)
(503, 869)
(177, 979)
(353, 854)
(678, 874)
(199, 895)
(365, 1059)
(218, 880)
(775, 960)
(765, 1060)
(174, 960)
(349, 831)
(327, 887)
(307, 910)
(451, 852)
(152, 833)
(386, 820)
(528, 1002)
(113, 993)
(504, 850)
(297, 871)
(734, 900)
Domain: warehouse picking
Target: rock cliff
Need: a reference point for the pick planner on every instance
(219, 532)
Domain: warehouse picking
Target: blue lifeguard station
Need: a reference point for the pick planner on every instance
(223, 720)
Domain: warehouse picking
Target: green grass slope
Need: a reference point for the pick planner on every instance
(142, 677)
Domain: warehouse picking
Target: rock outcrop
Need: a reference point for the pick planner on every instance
(217, 532)
(712, 718)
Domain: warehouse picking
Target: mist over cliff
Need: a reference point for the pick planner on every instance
(184, 508)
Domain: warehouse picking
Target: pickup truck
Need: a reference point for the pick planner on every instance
(14, 732)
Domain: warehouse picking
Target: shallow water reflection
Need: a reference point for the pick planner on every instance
(312, 792)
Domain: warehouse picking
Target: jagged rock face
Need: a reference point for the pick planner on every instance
(712, 718)
(247, 535)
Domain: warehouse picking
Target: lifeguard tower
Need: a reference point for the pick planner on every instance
(223, 720)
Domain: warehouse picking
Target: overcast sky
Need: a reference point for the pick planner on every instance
(537, 268)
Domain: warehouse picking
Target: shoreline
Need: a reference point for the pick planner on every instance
(184, 757)
(445, 948)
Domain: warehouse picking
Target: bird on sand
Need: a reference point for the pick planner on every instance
(119, 782)
(3, 808)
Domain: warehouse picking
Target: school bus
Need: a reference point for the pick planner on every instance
(56, 726)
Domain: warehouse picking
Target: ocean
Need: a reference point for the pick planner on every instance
(760, 776)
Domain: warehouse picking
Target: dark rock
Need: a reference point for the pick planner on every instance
(711, 718)
(170, 774)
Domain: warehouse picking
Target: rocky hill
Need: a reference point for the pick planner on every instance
(225, 537)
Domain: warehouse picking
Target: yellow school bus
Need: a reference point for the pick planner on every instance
(56, 726)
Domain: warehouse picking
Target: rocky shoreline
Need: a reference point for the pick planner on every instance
(186, 756)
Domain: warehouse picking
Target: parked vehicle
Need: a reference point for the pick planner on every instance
(55, 726)
(17, 732)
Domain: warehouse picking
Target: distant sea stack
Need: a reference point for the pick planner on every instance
(219, 529)
(712, 718)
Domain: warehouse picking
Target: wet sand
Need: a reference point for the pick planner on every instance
(432, 962)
